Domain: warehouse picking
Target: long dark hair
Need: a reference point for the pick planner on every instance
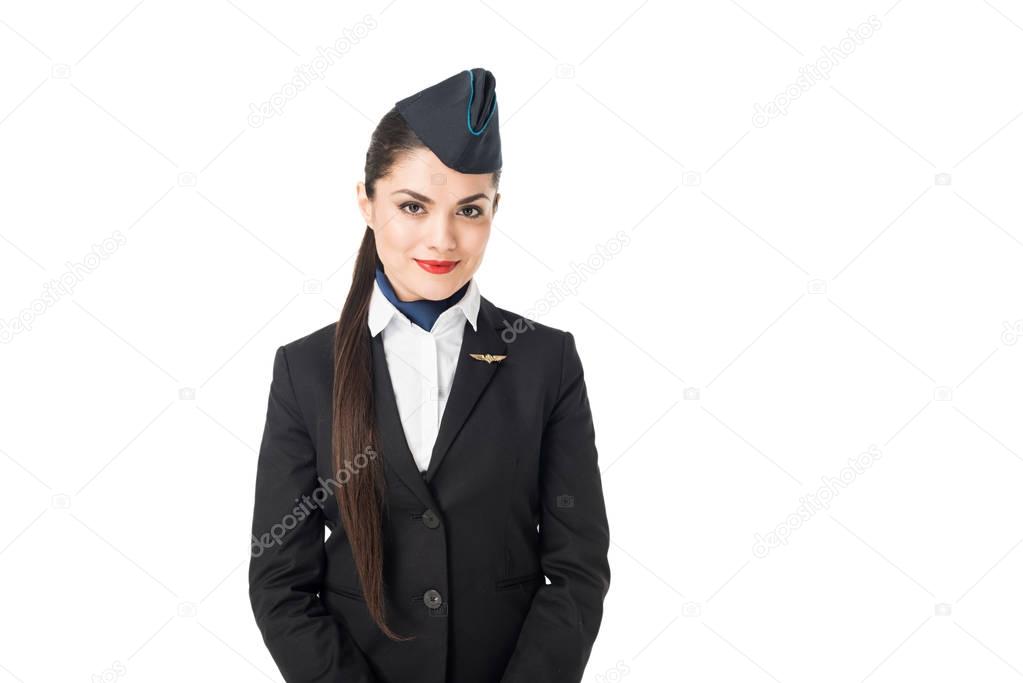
(361, 495)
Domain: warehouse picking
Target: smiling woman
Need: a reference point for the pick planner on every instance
(492, 568)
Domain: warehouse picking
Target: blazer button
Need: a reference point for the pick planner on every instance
(430, 519)
(432, 599)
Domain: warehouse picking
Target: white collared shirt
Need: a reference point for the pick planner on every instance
(422, 364)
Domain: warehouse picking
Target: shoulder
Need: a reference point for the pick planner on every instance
(310, 353)
(311, 343)
(515, 323)
(532, 337)
(312, 340)
(548, 352)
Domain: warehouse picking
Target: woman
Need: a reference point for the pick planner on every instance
(445, 443)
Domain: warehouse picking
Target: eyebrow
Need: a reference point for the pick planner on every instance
(426, 200)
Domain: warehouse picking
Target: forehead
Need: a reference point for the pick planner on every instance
(421, 170)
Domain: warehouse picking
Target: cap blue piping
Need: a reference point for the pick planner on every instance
(468, 108)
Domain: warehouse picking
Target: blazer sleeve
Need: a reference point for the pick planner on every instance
(286, 565)
(562, 623)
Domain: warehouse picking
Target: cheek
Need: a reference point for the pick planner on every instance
(476, 240)
(396, 237)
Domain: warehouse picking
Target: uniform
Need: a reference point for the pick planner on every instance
(495, 555)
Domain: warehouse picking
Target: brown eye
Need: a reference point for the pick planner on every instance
(477, 209)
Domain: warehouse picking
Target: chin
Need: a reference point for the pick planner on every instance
(436, 289)
(436, 293)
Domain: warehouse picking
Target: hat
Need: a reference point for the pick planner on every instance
(457, 120)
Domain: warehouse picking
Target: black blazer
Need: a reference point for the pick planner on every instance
(464, 557)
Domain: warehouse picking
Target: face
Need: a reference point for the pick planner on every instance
(431, 224)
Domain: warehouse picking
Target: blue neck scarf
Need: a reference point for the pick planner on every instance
(423, 312)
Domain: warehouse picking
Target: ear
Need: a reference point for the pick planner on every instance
(497, 198)
(364, 202)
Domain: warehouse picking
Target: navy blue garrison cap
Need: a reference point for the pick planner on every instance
(457, 120)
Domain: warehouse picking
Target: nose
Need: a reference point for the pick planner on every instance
(441, 233)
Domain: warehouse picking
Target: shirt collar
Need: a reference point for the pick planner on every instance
(382, 311)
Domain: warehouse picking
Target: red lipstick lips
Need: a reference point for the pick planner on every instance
(436, 267)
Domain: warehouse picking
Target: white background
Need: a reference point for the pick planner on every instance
(843, 280)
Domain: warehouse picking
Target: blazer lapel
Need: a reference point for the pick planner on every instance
(471, 378)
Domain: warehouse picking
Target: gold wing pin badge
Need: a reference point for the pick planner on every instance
(490, 358)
